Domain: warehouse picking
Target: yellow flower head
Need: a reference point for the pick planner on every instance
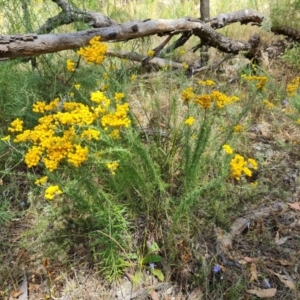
(203, 100)
(189, 121)
(70, 65)
(150, 53)
(187, 94)
(77, 86)
(133, 77)
(95, 52)
(112, 167)
(227, 149)
(207, 82)
(16, 126)
(238, 128)
(6, 138)
(41, 181)
(52, 191)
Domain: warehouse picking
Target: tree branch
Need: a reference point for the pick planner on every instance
(12, 46)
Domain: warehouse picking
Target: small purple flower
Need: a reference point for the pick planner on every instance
(22, 203)
(255, 129)
(285, 102)
(216, 269)
(152, 266)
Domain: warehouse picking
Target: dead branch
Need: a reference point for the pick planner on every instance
(12, 46)
(155, 61)
(244, 16)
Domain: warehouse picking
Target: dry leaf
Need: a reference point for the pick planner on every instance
(1, 181)
(284, 279)
(248, 259)
(277, 237)
(154, 295)
(295, 205)
(284, 262)
(253, 272)
(16, 294)
(282, 240)
(266, 293)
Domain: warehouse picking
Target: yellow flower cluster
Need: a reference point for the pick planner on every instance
(150, 53)
(207, 82)
(118, 118)
(239, 165)
(62, 134)
(268, 104)
(41, 106)
(52, 191)
(222, 99)
(189, 121)
(70, 65)
(41, 181)
(203, 100)
(261, 81)
(187, 94)
(119, 96)
(238, 128)
(112, 167)
(16, 126)
(227, 148)
(206, 100)
(293, 86)
(95, 53)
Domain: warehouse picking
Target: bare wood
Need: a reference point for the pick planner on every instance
(13, 46)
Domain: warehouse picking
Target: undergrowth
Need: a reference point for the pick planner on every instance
(130, 167)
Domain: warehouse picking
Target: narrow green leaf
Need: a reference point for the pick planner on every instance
(151, 258)
(158, 273)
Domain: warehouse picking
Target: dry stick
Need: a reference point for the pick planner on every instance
(158, 49)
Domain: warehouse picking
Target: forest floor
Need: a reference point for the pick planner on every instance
(258, 254)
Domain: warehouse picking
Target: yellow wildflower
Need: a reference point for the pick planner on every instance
(77, 86)
(115, 134)
(207, 82)
(185, 65)
(41, 181)
(112, 167)
(70, 65)
(239, 166)
(227, 149)
(79, 156)
(253, 163)
(6, 138)
(52, 191)
(238, 128)
(187, 94)
(203, 100)
(90, 134)
(99, 97)
(268, 104)
(119, 96)
(150, 53)
(293, 86)
(133, 77)
(16, 126)
(33, 156)
(95, 52)
(261, 81)
(189, 121)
